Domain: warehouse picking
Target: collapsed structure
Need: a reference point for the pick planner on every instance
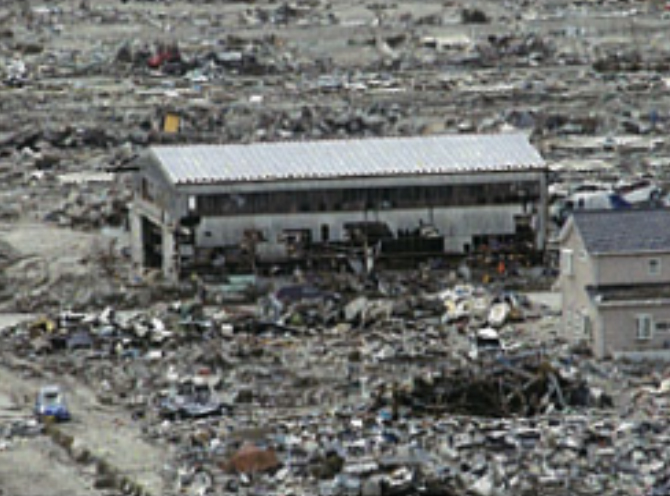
(205, 206)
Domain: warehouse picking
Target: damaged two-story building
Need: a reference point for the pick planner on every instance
(615, 281)
(197, 208)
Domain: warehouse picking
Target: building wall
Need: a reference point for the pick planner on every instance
(303, 189)
(155, 200)
(457, 222)
(465, 177)
(458, 225)
(616, 328)
(620, 328)
(541, 231)
(155, 189)
(576, 301)
(633, 269)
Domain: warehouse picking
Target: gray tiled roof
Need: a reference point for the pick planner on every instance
(346, 158)
(624, 231)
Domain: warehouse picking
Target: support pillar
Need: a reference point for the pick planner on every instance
(169, 254)
(136, 238)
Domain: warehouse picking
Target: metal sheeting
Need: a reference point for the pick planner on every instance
(346, 158)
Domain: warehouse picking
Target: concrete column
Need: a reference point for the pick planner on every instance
(169, 254)
(136, 238)
(542, 222)
(599, 333)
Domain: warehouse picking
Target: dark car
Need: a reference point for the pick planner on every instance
(191, 399)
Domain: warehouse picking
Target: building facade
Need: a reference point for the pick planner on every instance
(615, 281)
(199, 205)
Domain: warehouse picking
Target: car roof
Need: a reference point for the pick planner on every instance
(52, 388)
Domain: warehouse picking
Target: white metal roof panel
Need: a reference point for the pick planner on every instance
(443, 154)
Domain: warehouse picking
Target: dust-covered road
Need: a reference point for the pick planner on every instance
(37, 466)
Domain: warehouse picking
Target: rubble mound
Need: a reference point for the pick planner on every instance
(526, 386)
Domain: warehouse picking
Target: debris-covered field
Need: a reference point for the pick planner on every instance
(443, 379)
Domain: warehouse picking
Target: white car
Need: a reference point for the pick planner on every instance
(639, 191)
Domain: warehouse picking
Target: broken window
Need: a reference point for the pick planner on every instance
(644, 327)
(357, 199)
(146, 190)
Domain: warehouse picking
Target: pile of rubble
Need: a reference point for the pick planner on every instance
(244, 73)
(382, 399)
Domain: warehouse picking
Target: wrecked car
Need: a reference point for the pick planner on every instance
(485, 343)
(190, 399)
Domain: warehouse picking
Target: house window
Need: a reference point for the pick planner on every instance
(582, 255)
(654, 266)
(567, 267)
(644, 327)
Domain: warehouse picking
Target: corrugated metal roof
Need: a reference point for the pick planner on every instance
(346, 158)
(624, 231)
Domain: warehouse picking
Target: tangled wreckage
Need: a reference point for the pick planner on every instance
(203, 207)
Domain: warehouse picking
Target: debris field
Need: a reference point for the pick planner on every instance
(372, 385)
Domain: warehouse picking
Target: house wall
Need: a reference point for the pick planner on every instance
(576, 301)
(632, 269)
(603, 332)
(620, 331)
(611, 326)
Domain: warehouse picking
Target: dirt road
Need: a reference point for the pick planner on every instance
(37, 466)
